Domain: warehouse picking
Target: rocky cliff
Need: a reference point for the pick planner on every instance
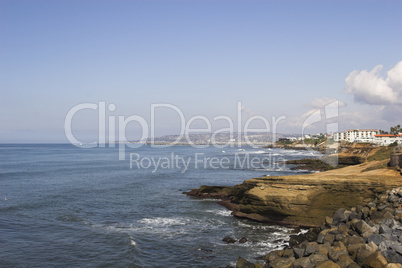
(303, 200)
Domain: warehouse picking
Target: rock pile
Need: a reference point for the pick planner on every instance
(364, 236)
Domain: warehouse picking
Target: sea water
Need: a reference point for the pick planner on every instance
(61, 205)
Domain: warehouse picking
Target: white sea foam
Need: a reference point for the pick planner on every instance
(220, 212)
(163, 222)
(132, 241)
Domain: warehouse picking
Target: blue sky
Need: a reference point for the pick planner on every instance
(276, 57)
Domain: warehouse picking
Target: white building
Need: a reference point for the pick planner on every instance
(356, 135)
(339, 136)
(387, 139)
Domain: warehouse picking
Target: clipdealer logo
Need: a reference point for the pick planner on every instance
(118, 123)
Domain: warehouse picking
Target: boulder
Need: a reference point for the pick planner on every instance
(361, 255)
(393, 265)
(391, 256)
(344, 261)
(317, 258)
(376, 239)
(303, 263)
(282, 262)
(363, 228)
(328, 264)
(339, 216)
(243, 263)
(243, 240)
(375, 260)
(229, 240)
(337, 250)
(272, 256)
(287, 253)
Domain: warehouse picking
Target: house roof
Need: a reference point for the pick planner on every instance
(388, 135)
(362, 130)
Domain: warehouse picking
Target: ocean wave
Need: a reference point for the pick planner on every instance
(220, 212)
(163, 222)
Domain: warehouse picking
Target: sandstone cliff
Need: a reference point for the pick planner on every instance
(304, 200)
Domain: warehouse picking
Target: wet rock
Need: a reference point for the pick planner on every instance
(243, 263)
(317, 258)
(299, 252)
(303, 263)
(272, 256)
(243, 240)
(229, 240)
(288, 253)
(282, 262)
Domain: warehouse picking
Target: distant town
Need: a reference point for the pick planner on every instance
(373, 136)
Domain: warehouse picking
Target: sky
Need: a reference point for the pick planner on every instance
(270, 59)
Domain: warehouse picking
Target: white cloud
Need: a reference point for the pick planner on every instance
(319, 103)
(369, 87)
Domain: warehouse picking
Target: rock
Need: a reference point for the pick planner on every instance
(352, 240)
(317, 258)
(328, 221)
(288, 253)
(391, 256)
(361, 255)
(320, 238)
(363, 228)
(353, 265)
(271, 256)
(384, 229)
(344, 261)
(353, 249)
(282, 262)
(242, 263)
(303, 263)
(296, 240)
(393, 265)
(229, 240)
(339, 216)
(397, 248)
(377, 216)
(388, 215)
(311, 248)
(329, 238)
(299, 252)
(243, 240)
(322, 249)
(328, 264)
(375, 260)
(376, 239)
(337, 250)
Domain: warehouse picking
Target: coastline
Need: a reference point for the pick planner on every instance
(364, 236)
(303, 200)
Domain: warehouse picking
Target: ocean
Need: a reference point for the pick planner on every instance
(61, 205)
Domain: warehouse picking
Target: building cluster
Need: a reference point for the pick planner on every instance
(367, 135)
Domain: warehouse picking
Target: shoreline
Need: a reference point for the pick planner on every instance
(364, 236)
(303, 200)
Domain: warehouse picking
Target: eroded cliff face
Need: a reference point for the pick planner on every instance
(304, 200)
